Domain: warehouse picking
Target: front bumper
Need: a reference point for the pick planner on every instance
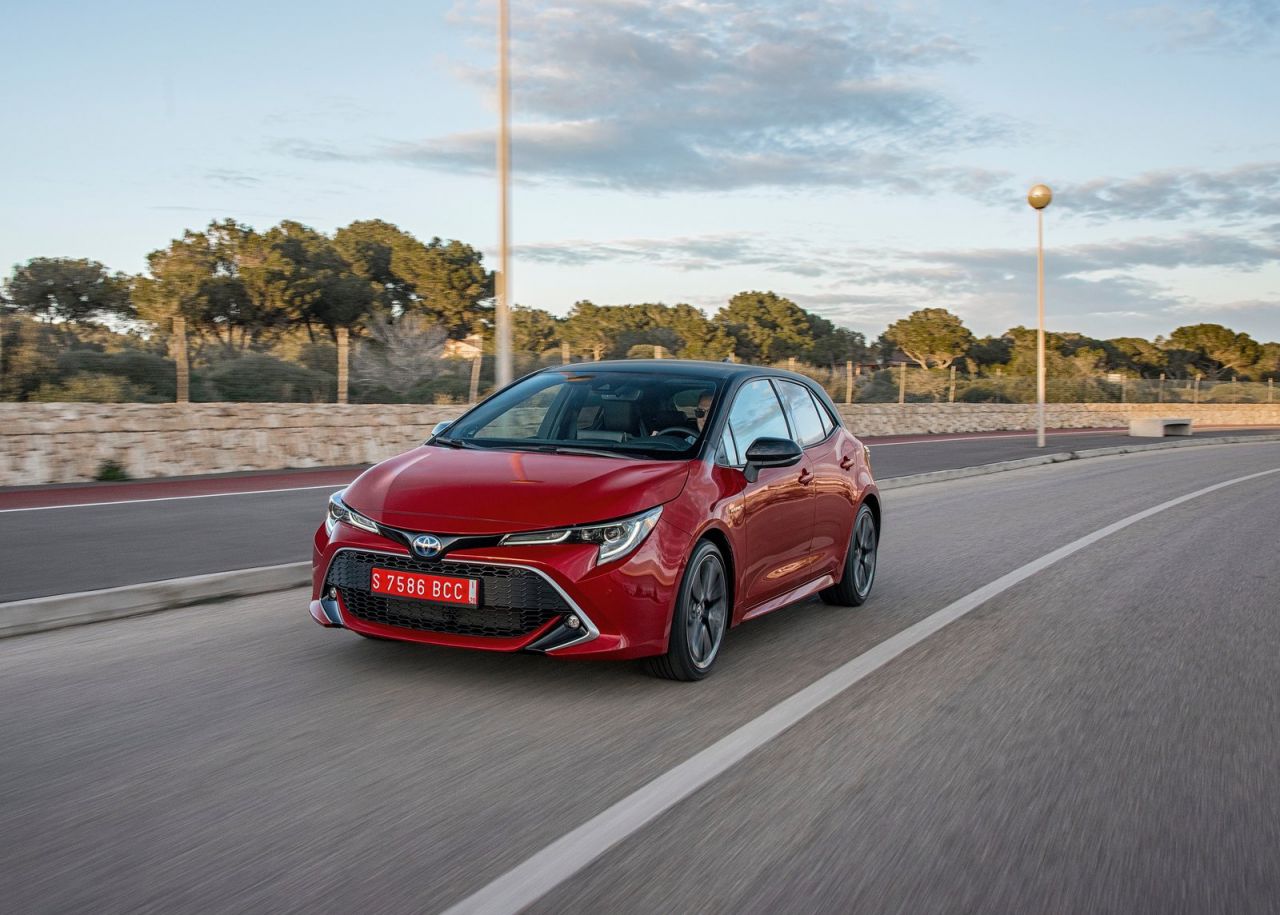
(549, 598)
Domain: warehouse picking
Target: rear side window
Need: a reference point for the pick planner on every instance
(757, 414)
(827, 422)
(804, 413)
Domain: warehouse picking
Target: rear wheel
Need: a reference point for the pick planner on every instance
(700, 619)
(859, 563)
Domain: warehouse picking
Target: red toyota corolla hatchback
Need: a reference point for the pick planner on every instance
(609, 510)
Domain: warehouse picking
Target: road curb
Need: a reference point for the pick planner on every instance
(982, 470)
(60, 610)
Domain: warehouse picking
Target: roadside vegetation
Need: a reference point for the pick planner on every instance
(263, 311)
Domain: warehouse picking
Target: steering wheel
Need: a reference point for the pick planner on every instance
(677, 430)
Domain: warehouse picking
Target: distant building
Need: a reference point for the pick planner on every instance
(467, 348)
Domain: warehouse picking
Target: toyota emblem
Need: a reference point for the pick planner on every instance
(428, 546)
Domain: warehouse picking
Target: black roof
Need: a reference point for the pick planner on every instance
(696, 367)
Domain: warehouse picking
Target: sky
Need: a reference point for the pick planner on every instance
(862, 159)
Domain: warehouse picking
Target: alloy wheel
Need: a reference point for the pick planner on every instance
(708, 610)
(864, 553)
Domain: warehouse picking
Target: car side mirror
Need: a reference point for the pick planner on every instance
(440, 427)
(770, 452)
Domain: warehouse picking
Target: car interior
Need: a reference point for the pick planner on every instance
(624, 416)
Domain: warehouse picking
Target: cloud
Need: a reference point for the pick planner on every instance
(230, 178)
(1250, 191)
(1237, 306)
(315, 152)
(1117, 281)
(1223, 25)
(688, 253)
(714, 95)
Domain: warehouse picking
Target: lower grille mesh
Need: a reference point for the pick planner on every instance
(513, 601)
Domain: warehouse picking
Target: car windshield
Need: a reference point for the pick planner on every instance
(622, 413)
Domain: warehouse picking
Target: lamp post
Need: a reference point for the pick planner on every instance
(1040, 197)
(502, 290)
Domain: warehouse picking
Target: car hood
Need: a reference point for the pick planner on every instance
(457, 491)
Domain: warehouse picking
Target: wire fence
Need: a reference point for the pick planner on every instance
(38, 364)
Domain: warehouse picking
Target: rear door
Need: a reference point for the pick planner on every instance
(778, 506)
(834, 491)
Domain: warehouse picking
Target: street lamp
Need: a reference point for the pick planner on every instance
(502, 290)
(1040, 197)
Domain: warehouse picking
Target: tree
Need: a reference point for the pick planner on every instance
(1138, 355)
(987, 352)
(220, 281)
(533, 330)
(833, 345)
(445, 281)
(765, 326)
(699, 337)
(931, 335)
(1220, 348)
(308, 279)
(1268, 364)
(68, 289)
(595, 329)
(376, 250)
(451, 286)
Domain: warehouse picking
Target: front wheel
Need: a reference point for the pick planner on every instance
(700, 619)
(859, 563)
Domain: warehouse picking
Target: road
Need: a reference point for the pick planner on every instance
(55, 543)
(1098, 734)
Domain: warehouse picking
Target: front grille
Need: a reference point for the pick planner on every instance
(513, 601)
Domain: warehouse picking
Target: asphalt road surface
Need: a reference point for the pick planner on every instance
(81, 547)
(1098, 734)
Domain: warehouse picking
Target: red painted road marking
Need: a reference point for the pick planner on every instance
(183, 488)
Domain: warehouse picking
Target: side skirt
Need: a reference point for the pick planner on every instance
(808, 589)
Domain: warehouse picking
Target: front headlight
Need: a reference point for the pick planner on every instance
(613, 540)
(338, 511)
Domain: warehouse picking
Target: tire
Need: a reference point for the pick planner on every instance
(859, 563)
(700, 620)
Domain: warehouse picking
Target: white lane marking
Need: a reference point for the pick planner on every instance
(205, 495)
(989, 438)
(936, 440)
(536, 876)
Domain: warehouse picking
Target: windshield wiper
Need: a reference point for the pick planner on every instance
(574, 449)
(559, 449)
(456, 443)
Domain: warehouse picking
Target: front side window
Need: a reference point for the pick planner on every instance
(757, 414)
(804, 414)
(727, 451)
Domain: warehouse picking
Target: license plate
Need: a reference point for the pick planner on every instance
(465, 592)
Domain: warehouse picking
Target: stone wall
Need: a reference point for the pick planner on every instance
(66, 443)
(929, 419)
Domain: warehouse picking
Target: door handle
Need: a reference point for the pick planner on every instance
(806, 477)
(846, 462)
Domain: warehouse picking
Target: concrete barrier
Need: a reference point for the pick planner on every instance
(60, 610)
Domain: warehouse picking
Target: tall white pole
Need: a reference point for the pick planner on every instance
(502, 309)
(1040, 328)
(1039, 197)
